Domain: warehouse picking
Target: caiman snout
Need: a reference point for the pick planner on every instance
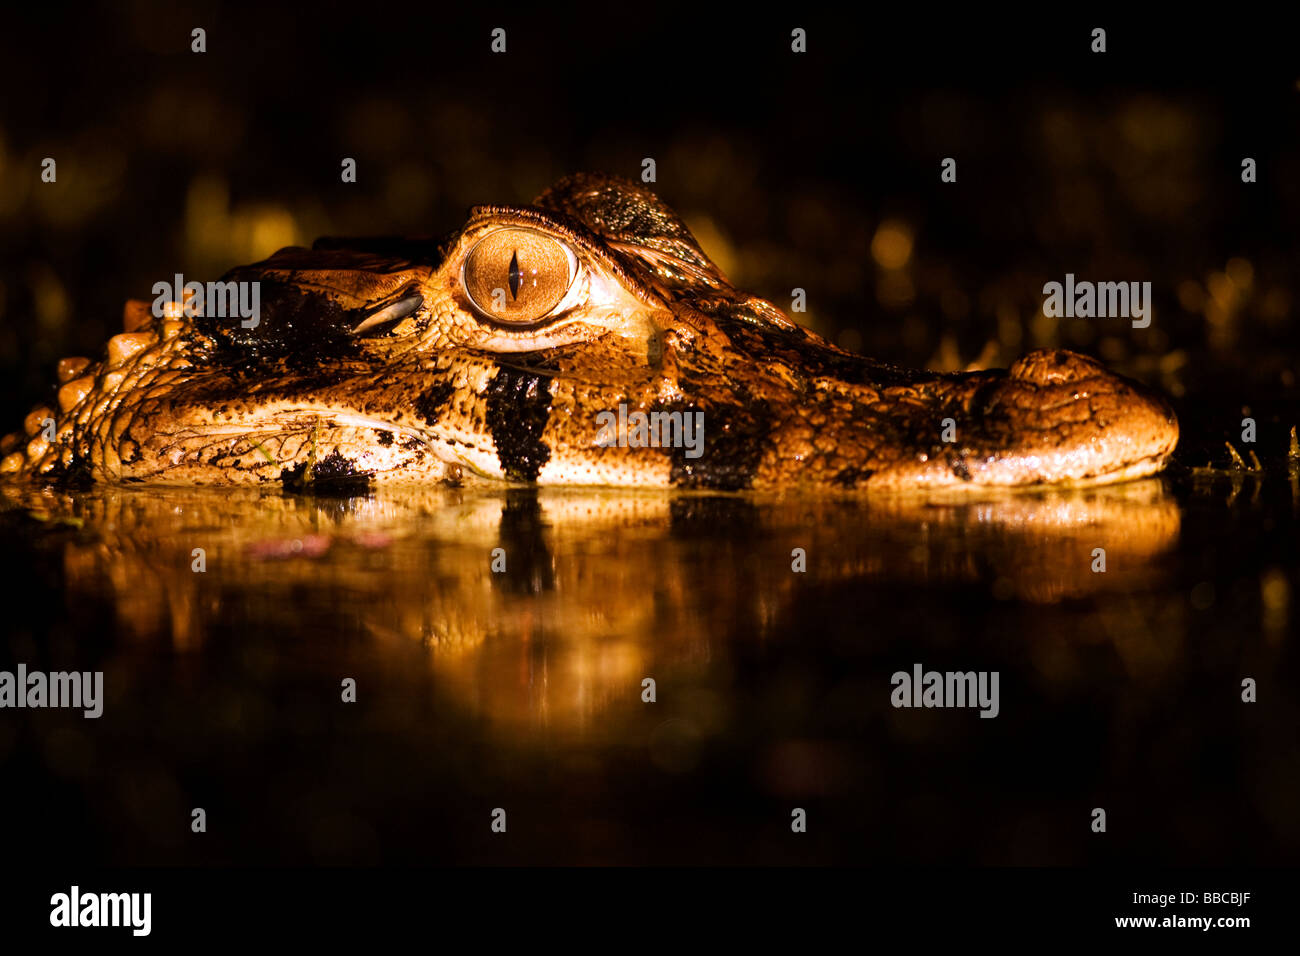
(1067, 417)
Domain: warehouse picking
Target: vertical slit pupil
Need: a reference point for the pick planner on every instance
(516, 278)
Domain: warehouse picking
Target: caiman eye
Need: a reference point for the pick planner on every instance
(518, 276)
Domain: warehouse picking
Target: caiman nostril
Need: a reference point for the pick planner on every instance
(1054, 367)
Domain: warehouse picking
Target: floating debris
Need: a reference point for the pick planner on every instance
(308, 546)
(67, 521)
(1239, 463)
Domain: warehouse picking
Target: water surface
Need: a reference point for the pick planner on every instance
(523, 688)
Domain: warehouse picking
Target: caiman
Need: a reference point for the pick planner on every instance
(494, 352)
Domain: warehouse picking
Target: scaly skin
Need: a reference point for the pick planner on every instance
(315, 393)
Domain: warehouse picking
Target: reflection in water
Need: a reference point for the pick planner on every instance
(599, 589)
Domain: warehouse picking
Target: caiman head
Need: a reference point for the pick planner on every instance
(582, 340)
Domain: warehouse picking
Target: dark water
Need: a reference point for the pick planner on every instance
(522, 690)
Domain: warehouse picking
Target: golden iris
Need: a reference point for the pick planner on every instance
(517, 276)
